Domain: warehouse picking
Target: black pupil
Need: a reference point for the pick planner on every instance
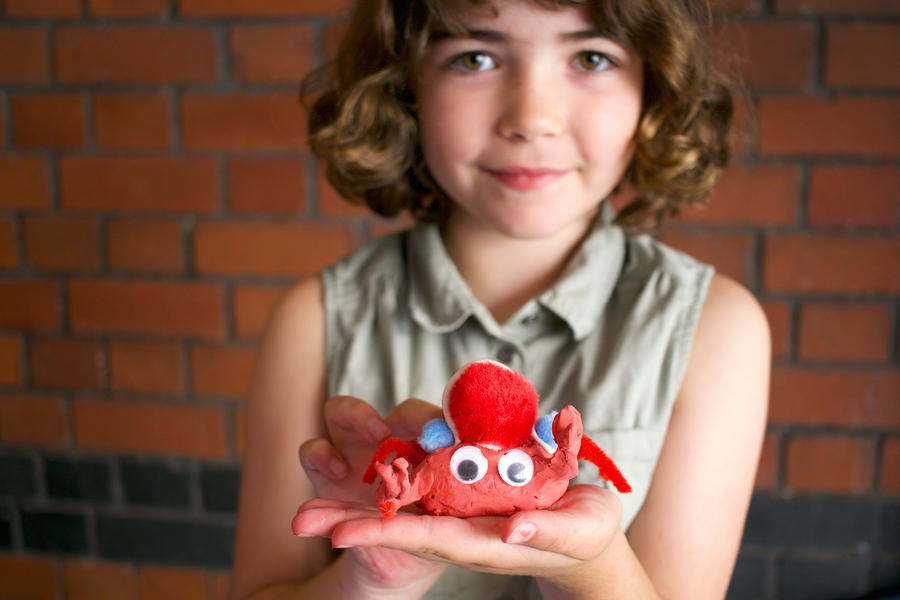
(516, 472)
(467, 470)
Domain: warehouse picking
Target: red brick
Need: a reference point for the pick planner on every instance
(851, 196)
(244, 122)
(66, 363)
(27, 577)
(268, 249)
(221, 586)
(841, 397)
(147, 307)
(829, 463)
(334, 33)
(132, 8)
(10, 361)
(24, 182)
(849, 7)
(43, 8)
(730, 253)
(831, 264)
(131, 54)
(173, 583)
(23, 56)
(222, 370)
(761, 195)
(779, 316)
(890, 466)
(48, 120)
(271, 53)
(62, 243)
(843, 126)
(86, 579)
(9, 253)
(146, 246)
(768, 54)
(154, 428)
(260, 8)
(252, 306)
(132, 121)
(846, 332)
(767, 471)
(266, 186)
(147, 367)
(158, 185)
(240, 430)
(29, 304)
(333, 204)
(863, 55)
(32, 421)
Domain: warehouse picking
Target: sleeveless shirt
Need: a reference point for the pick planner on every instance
(611, 337)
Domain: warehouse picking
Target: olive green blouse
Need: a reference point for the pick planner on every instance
(611, 338)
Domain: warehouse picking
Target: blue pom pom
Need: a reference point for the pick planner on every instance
(543, 427)
(436, 434)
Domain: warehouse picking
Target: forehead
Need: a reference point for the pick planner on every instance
(464, 13)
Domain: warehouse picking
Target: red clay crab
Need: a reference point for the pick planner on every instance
(490, 454)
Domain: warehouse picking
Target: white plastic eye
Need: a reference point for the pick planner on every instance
(516, 468)
(468, 464)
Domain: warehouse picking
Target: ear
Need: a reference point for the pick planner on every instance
(436, 434)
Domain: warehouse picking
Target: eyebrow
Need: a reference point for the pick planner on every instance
(490, 35)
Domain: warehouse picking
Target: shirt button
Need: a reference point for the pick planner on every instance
(529, 319)
(506, 354)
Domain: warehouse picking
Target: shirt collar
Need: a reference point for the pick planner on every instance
(441, 301)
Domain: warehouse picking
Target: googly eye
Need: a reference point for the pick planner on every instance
(468, 464)
(516, 468)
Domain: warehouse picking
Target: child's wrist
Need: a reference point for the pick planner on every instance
(362, 577)
(586, 578)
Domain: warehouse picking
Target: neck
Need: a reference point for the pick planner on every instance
(503, 272)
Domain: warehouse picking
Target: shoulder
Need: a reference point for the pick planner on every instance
(732, 320)
(376, 261)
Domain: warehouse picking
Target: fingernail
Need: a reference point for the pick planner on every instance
(337, 467)
(378, 430)
(521, 534)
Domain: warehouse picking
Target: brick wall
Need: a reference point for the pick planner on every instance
(156, 196)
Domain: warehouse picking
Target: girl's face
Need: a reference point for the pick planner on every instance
(527, 121)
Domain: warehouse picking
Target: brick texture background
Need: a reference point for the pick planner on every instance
(156, 196)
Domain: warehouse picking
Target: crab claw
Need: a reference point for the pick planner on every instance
(567, 429)
(567, 434)
(395, 479)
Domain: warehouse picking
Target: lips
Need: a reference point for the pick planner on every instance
(526, 178)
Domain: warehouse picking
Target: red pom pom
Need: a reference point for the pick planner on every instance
(490, 404)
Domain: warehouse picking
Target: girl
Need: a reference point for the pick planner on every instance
(502, 127)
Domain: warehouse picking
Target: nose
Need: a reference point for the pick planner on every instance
(532, 109)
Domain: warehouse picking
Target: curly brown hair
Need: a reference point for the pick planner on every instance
(363, 124)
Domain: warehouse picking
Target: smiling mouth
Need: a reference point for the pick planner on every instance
(526, 178)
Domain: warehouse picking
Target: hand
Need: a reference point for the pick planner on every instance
(335, 469)
(556, 543)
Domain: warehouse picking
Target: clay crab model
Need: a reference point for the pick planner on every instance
(490, 454)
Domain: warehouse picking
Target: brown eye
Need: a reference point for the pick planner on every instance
(474, 61)
(593, 61)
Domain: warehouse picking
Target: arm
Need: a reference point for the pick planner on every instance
(688, 532)
(284, 409)
(287, 410)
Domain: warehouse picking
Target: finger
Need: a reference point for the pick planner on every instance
(407, 419)
(319, 516)
(320, 459)
(579, 525)
(473, 543)
(350, 421)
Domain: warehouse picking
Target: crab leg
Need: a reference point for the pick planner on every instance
(396, 489)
